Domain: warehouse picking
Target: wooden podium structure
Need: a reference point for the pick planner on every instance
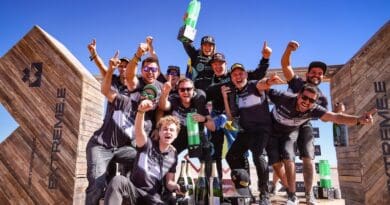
(364, 83)
(58, 105)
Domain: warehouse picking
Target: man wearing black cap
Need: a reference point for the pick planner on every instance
(114, 141)
(173, 73)
(221, 78)
(255, 120)
(200, 61)
(305, 141)
(118, 82)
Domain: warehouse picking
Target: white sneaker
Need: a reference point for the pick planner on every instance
(292, 200)
(310, 199)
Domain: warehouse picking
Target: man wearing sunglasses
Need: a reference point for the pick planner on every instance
(173, 72)
(150, 70)
(305, 141)
(290, 112)
(189, 100)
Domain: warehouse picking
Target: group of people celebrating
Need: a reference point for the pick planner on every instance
(144, 128)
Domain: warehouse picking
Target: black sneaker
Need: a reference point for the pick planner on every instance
(292, 199)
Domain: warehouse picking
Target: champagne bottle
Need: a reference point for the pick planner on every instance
(192, 13)
(190, 183)
(182, 180)
(193, 137)
(201, 196)
(216, 188)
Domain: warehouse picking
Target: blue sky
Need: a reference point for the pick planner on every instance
(331, 31)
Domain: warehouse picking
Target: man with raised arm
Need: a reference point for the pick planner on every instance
(113, 142)
(155, 165)
(290, 112)
(305, 141)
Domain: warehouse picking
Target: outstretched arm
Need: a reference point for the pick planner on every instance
(106, 84)
(94, 56)
(266, 83)
(286, 61)
(341, 118)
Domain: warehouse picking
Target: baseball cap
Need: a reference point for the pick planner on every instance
(124, 59)
(218, 57)
(318, 64)
(149, 95)
(207, 39)
(241, 180)
(237, 66)
(173, 70)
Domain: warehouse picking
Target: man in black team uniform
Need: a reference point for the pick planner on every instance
(118, 82)
(255, 120)
(150, 69)
(189, 100)
(289, 113)
(200, 61)
(112, 143)
(155, 165)
(221, 78)
(305, 141)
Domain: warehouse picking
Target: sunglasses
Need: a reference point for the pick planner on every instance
(148, 95)
(148, 69)
(185, 89)
(311, 100)
(174, 73)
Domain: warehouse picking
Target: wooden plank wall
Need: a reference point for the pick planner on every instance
(362, 165)
(57, 104)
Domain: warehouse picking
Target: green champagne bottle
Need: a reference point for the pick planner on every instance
(192, 14)
(193, 137)
(182, 180)
(201, 193)
(190, 184)
(216, 188)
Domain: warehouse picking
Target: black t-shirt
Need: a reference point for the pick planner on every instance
(285, 117)
(116, 130)
(150, 169)
(214, 90)
(253, 108)
(202, 71)
(198, 105)
(118, 125)
(296, 84)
